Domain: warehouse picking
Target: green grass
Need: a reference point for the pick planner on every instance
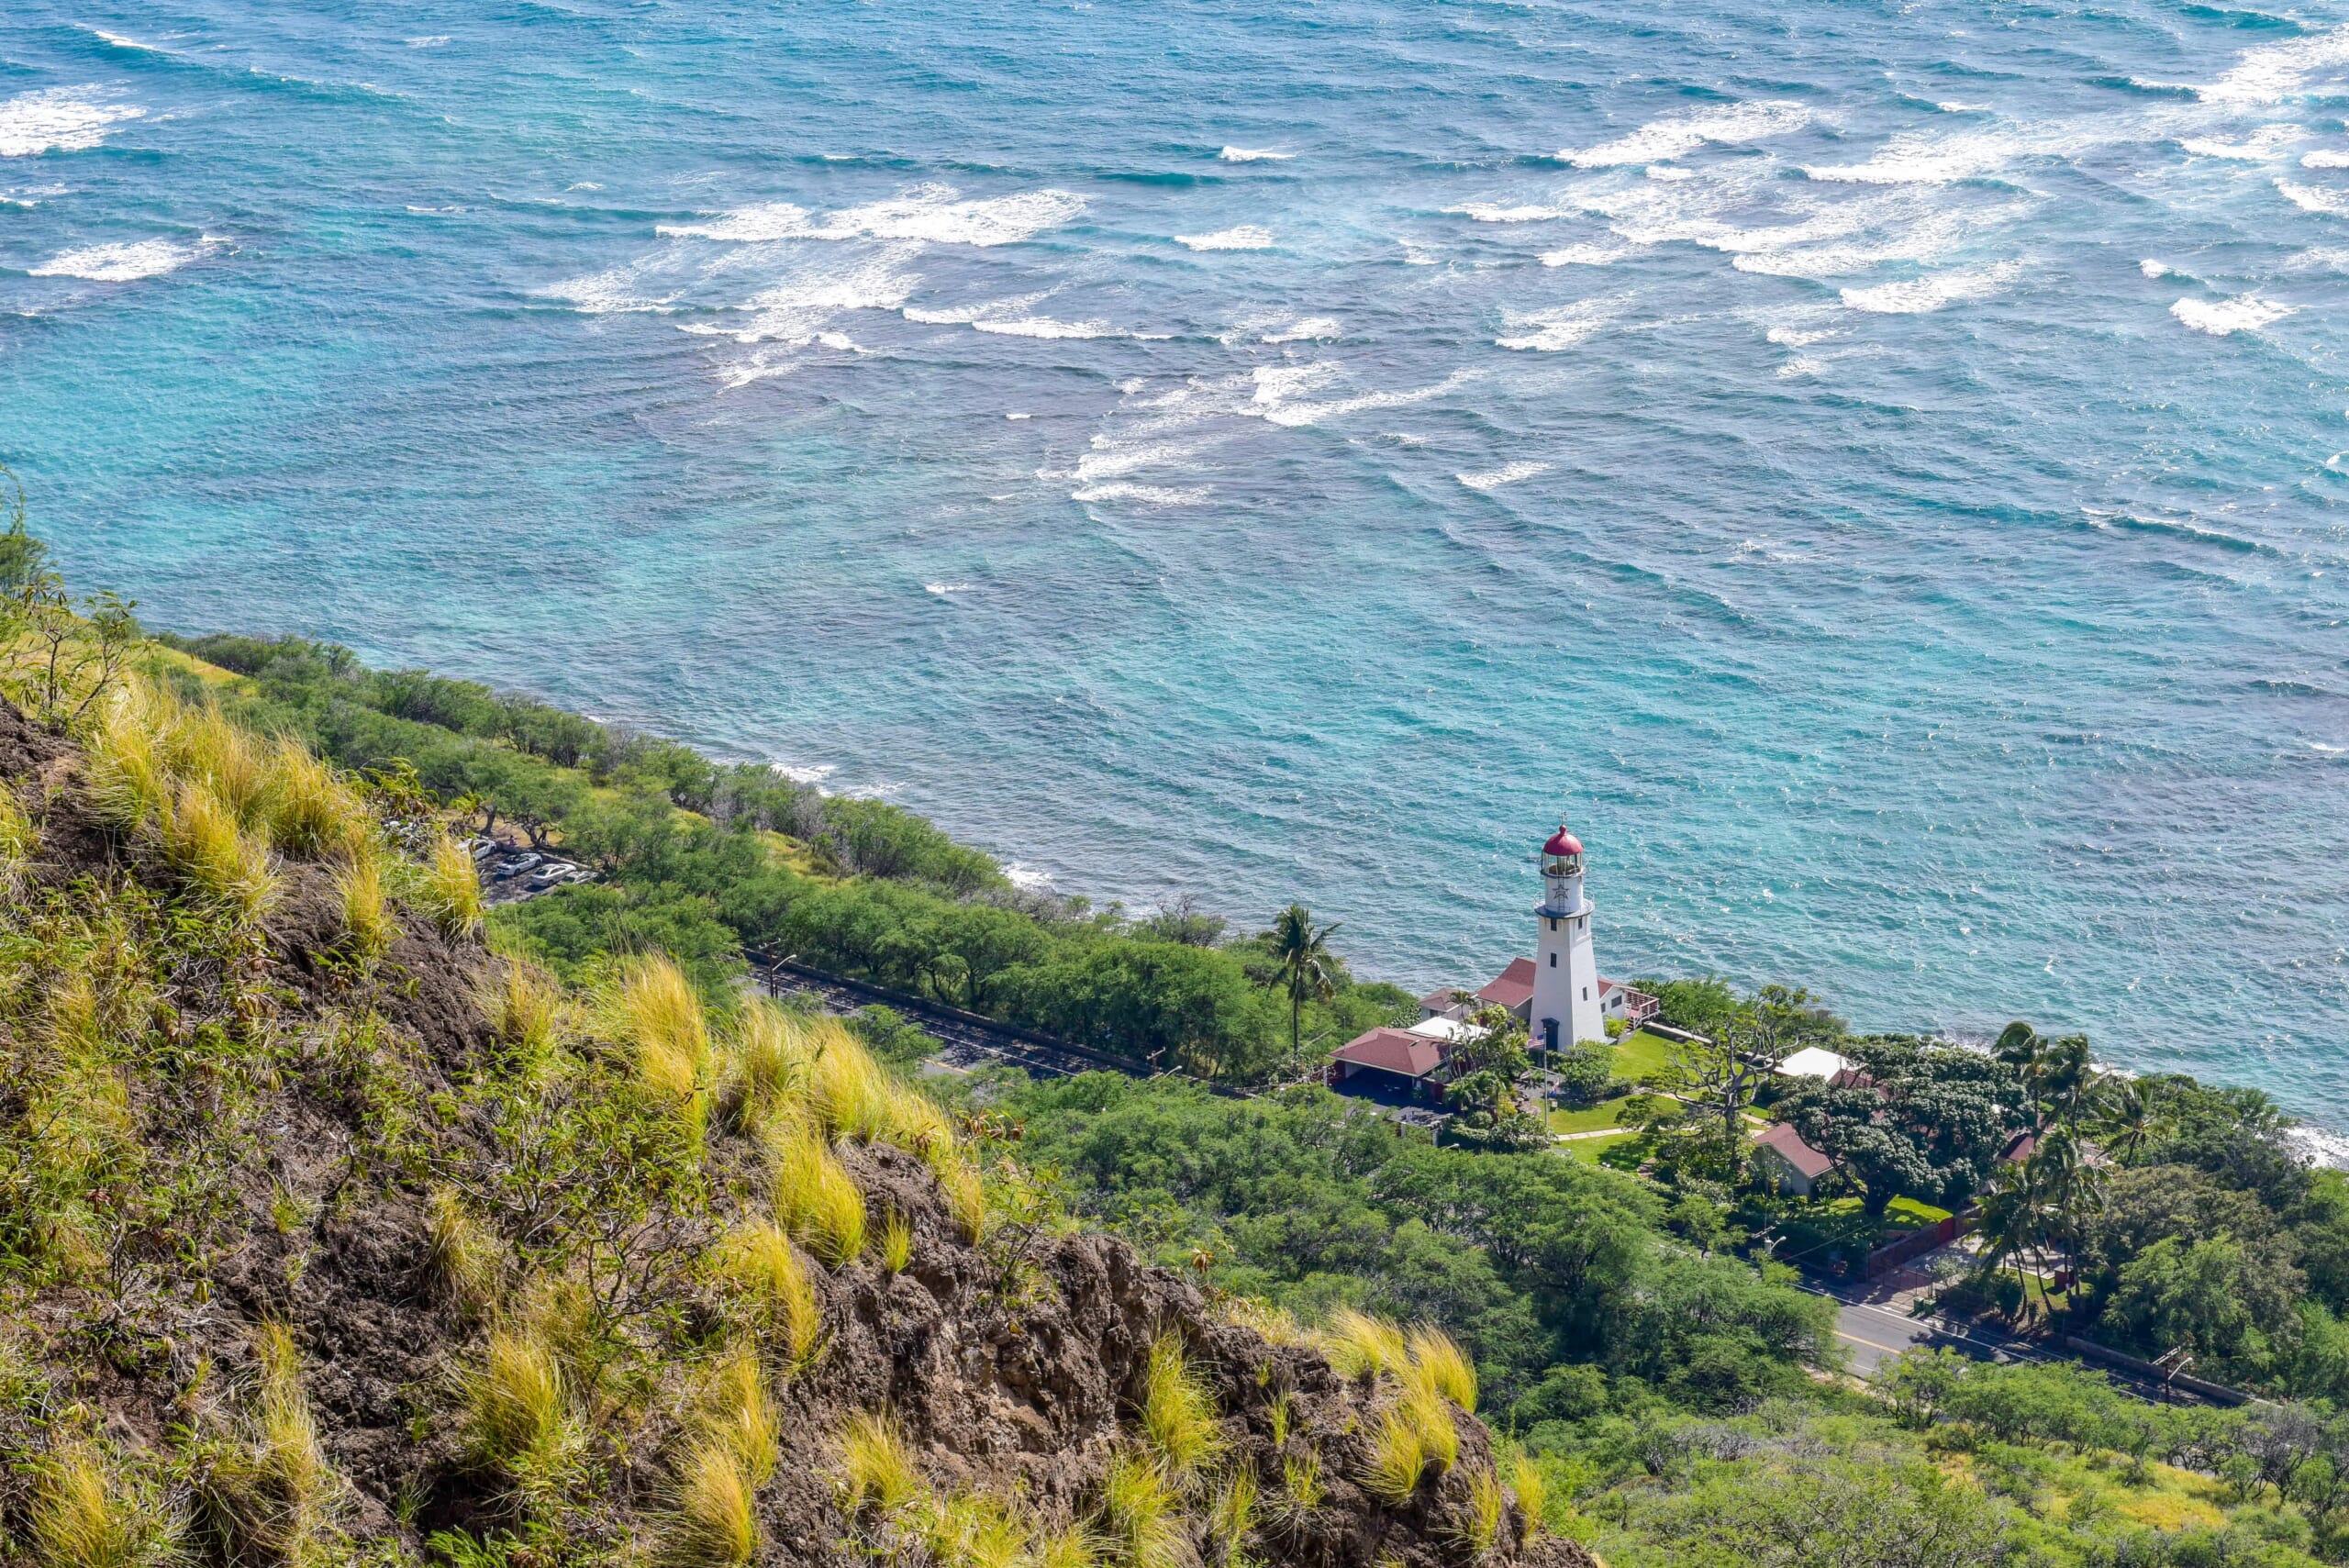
(1595, 1151)
(1640, 1054)
(1597, 1118)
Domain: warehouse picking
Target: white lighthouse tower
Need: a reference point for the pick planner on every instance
(1565, 1007)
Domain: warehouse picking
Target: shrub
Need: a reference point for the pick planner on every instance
(1178, 1417)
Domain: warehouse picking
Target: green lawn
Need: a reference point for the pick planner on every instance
(1591, 1120)
(1640, 1054)
(1593, 1150)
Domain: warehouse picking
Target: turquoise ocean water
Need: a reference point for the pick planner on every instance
(1879, 468)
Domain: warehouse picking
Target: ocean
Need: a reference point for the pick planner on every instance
(1879, 471)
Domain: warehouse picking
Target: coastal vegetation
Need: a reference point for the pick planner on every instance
(347, 1221)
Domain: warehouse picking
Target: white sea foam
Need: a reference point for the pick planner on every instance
(1801, 364)
(1019, 415)
(2328, 1149)
(1584, 256)
(1668, 174)
(60, 119)
(1253, 155)
(1492, 212)
(1247, 236)
(2274, 73)
(1148, 494)
(119, 263)
(1914, 297)
(1918, 158)
(1957, 108)
(433, 41)
(2325, 157)
(1549, 331)
(2244, 313)
(813, 775)
(1797, 337)
(1275, 384)
(2310, 198)
(613, 291)
(2153, 269)
(932, 213)
(119, 41)
(1027, 879)
(1310, 330)
(943, 589)
(1508, 473)
(1662, 141)
(1044, 327)
(964, 314)
(797, 309)
(2261, 145)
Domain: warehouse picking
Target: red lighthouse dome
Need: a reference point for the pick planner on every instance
(1563, 843)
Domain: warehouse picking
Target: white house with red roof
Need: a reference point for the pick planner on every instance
(1558, 993)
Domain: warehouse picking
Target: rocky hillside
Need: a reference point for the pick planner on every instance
(327, 1236)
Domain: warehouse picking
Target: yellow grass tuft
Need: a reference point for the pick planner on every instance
(1432, 1418)
(1398, 1457)
(1301, 1479)
(876, 1468)
(1437, 1362)
(971, 1529)
(758, 1261)
(1532, 1495)
(743, 1414)
(18, 838)
(366, 904)
(965, 1192)
(1481, 1528)
(897, 1242)
(517, 1413)
(311, 813)
(1359, 1345)
(1178, 1416)
(815, 1197)
(462, 1255)
(128, 780)
(1234, 1513)
(85, 1516)
(1071, 1546)
(716, 1521)
(656, 1010)
(221, 862)
(1140, 1517)
(448, 893)
(766, 1066)
(525, 1006)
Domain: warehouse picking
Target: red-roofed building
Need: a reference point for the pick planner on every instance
(1796, 1164)
(1405, 1060)
(1512, 988)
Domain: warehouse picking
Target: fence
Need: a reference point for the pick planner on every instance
(2216, 1393)
(1917, 1244)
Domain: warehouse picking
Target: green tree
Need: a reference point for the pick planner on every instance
(1307, 968)
(1723, 1074)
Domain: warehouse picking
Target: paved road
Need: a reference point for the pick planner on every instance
(961, 1046)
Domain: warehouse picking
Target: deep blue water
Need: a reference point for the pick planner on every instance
(1879, 468)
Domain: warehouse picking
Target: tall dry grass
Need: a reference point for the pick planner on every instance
(766, 1273)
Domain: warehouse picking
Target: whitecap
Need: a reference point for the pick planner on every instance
(1044, 327)
(2325, 157)
(932, 213)
(1508, 473)
(1584, 256)
(2244, 313)
(1796, 338)
(1492, 212)
(1956, 108)
(118, 263)
(1549, 331)
(1668, 175)
(811, 776)
(1247, 236)
(2274, 73)
(2261, 145)
(1027, 879)
(60, 119)
(1675, 136)
(1149, 495)
(1913, 296)
(943, 589)
(798, 310)
(1019, 415)
(2153, 269)
(433, 41)
(1310, 330)
(612, 291)
(1253, 155)
(1927, 160)
(2308, 198)
(119, 41)
(1275, 383)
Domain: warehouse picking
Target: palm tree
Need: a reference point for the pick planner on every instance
(2130, 1118)
(1308, 969)
(2013, 1216)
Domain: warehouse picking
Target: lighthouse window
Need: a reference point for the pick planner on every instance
(1586, 992)
(1554, 961)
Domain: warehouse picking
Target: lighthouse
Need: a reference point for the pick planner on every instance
(1566, 988)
